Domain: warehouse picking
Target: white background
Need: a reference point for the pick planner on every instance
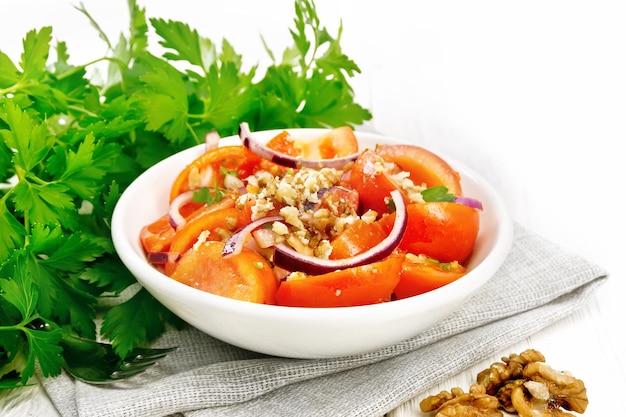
(531, 94)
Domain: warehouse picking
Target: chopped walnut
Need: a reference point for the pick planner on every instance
(475, 403)
(499, 373)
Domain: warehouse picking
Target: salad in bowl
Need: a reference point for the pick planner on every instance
(314, 222)
(311, 242)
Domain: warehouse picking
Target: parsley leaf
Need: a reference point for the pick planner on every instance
(44, 202)
(163, 98)
(438, 193)
(108, 275)
(36, 49)
(309, 87)
(208, 196)
(81, 175)
(9, 74)
(30, 141)
(42, 345)
(19, 292)
(136, 321)
(184, 43)
(12, 235)
(73, 252)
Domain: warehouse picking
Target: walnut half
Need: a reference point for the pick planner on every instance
(546, 391)
(511, 368)
(475, 403)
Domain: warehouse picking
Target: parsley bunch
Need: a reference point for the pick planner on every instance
(70, 146)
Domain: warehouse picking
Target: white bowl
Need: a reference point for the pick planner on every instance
(293, 331)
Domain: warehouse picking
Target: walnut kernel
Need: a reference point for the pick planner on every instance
(475, 403)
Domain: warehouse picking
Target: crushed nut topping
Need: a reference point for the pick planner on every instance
(521, 384)
(315, 207)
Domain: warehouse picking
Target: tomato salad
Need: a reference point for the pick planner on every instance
(314, 222)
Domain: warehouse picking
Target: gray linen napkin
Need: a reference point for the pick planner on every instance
(538, 284)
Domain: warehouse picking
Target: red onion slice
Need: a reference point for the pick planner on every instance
(234, 244)
(470, 202)
(176, 219)
(290, 259)
(263, 151)
(161, 258)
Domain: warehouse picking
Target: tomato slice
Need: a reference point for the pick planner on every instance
(338, 142)
(226, 218)
(232, 158)
(441, 230)
(424, 166)
(421, 274)
(158, 235)
(283, 143)
(356, 238)
(373, 185)
(361, 285)
(246, 276)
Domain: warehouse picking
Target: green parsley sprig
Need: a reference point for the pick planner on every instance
(70, 146)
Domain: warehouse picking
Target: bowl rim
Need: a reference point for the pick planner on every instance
(153, 280)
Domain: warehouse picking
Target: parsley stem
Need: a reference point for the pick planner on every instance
(74, 70)
(21, 84)
(21, 325)
(12, 89)
(193, 133)
(11, 328)
(197, 116)
(95, 24)
(5, 197)
(83, 110)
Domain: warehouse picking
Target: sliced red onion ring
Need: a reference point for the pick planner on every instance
(236, 241)
(211, 141)
(160, 258)
(263, 151)
(470, 202)
(290, 259)
(176, 219)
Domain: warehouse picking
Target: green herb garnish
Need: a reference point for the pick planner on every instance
(208, 196)
(438, 193)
